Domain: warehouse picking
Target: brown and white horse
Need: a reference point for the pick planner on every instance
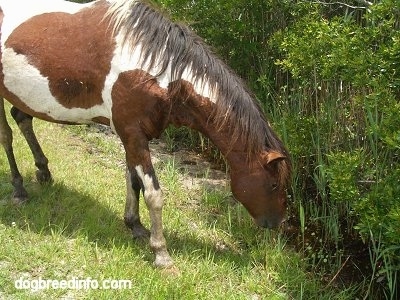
(124, 64)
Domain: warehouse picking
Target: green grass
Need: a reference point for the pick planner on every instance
(74, 229)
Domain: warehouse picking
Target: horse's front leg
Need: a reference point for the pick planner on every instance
(19, 195)
(142, 175)
(154, 201)
(132, 217)
(24, 122)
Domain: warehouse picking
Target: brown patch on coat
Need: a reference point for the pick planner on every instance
(74, 51)
(139, 101)
(140, 113)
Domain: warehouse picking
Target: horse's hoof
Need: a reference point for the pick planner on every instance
(140, 232)
(19, 200)
(44, 177)
(19, 196)
(164, 261)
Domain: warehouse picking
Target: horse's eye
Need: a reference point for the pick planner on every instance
(274, 186)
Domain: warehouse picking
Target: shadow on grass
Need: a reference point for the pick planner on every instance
(58, 208)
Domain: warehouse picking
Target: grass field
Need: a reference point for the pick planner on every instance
(73, 229)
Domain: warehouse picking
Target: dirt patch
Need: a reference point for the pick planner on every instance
(198, 172)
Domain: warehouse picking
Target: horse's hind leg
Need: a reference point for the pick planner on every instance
(24, 122)
(19, 195)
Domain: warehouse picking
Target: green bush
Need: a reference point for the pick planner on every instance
(329, 78)
(379, 222)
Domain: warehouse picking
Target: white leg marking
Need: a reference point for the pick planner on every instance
(151, 194)
(154, 203)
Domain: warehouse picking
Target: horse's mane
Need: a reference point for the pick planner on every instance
(170, 45)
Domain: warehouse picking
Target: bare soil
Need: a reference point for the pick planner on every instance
(199, 172)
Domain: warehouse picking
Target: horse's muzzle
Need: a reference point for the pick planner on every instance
(270, 223)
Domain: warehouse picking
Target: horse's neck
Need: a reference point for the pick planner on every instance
(197, 113)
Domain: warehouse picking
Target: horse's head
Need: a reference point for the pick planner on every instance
(261, 188)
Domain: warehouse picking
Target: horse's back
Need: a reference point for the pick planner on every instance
(55, 56)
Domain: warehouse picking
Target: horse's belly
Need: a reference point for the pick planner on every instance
(43, 99)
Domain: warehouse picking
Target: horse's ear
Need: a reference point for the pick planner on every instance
(272, 157)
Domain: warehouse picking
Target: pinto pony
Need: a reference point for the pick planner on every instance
(124, 64)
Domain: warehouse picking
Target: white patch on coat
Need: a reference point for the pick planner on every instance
(123, 60)
(202, 87)
(126, 59)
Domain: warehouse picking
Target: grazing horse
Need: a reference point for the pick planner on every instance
(124, 64)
